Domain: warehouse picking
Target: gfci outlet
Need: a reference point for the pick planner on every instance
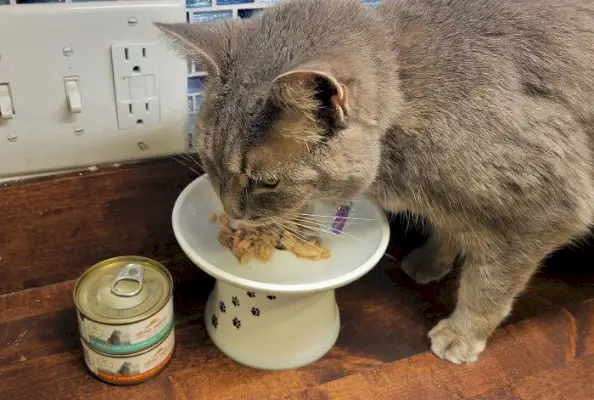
(83, 84)
(136, 80)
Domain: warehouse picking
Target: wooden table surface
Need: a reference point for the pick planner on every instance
(544, 351)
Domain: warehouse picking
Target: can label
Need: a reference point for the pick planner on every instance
(132, 368)
(126, 339)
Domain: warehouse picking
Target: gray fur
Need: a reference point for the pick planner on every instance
(478, 115)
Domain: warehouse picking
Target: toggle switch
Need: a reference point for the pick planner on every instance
(73, 94)
(6, 109)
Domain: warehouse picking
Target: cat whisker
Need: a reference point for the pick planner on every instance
(340, 235)
(389, 256)
(339, 201)
(344, 234)
(325, 221)
(318, 227)
(332, 216)
(302, 237)
(188, 160)
(195, 160)
(297, 234)
(284, 228)
(191, 168)
(276, 232)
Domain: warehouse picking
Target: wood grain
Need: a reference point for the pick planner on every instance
(570, 381)
(32, 302)
(584, 314)
(514, 352)
(381, 351)
(53, 229)
(58, 227)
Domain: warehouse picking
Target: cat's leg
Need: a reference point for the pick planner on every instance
(431, 262)
(488, 287)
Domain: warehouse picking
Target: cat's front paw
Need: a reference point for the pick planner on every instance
(452, 344)
(424, 266)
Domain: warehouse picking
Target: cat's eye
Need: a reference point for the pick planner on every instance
(267, 183)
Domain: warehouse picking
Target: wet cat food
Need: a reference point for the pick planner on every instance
(247, 242)
(124, 305)
(130, 369)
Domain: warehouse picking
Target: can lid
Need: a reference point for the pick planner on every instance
(123, 290)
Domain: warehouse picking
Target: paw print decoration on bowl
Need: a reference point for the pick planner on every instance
(281, 314)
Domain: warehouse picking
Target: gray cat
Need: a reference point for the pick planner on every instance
(478, 115)
(127, 369)
(115, 338)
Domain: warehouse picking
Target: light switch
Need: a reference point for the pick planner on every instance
(73, 94)
(6, 109)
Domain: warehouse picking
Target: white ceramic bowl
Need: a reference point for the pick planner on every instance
(281, 314)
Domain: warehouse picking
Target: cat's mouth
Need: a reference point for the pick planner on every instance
(251, 223)
(264, 222)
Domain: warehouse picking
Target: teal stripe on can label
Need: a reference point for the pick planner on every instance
(128, 338)
(127, 348)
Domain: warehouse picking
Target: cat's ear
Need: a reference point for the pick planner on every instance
(199, 42)
(312, 91)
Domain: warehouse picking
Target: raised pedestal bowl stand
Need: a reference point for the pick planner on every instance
(281, 314)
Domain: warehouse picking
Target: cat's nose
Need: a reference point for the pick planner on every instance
(234, 214)
(232, 206)
(232, 211)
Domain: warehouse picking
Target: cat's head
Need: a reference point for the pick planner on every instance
(280, 124)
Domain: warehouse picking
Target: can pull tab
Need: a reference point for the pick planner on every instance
(131, 272)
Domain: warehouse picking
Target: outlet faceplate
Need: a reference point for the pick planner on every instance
(45, 134)
(136, 80)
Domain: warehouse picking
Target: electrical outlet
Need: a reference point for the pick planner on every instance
(135, 74)
(61, 113)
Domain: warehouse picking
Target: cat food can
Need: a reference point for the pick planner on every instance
(124, 304)
(130, 369)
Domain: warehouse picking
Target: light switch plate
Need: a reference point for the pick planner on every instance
(51, 42)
